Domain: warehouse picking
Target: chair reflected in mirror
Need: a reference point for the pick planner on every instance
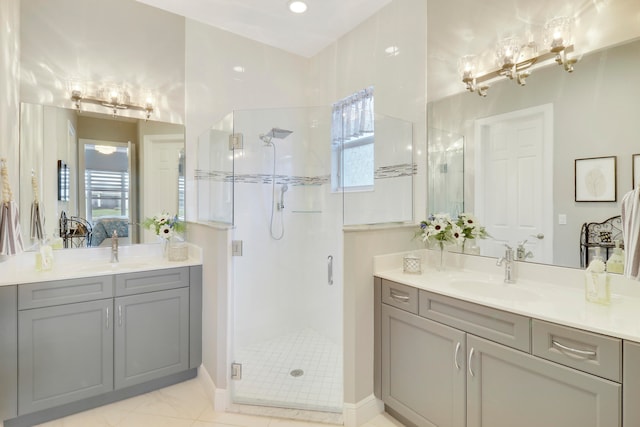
(599, 235)
(75, 232)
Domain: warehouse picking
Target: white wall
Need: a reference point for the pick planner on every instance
(119, 41)
(9, 99)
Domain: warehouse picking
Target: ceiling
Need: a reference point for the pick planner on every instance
(270, 21)
(454, 27)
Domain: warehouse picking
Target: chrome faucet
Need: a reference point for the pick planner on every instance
(114, 246)
(507, 260)
(522, 253)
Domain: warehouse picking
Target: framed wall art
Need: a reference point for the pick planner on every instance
(596, 179)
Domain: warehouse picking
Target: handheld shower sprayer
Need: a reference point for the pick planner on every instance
(283, 189)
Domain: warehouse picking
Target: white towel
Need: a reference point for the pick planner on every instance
(631, 233)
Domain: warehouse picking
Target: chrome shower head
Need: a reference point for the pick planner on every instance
(275, 133)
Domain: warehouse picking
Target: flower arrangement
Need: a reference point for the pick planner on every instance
(440, 229)
(471, 228)
(164, 225)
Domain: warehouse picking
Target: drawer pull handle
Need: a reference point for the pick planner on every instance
(399, 297)
(455, 356)
(473, 350)
(584, 353)
(119, 315)
(107, 318)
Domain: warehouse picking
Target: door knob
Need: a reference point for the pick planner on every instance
(538, 236)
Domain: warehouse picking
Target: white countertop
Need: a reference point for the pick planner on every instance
(86, 262)
(554, 294)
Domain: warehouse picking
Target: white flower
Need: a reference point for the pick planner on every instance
(164, 218)
(456, 231)
(165, 231)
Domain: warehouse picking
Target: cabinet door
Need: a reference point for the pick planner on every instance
(507, 388)
(423, 369)
(65, 353)
(631, 381)
(151, 336)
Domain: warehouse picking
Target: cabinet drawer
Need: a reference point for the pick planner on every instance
(505, 328)
(593, 353)
(400, 296)
(57, 292)
(150, 281)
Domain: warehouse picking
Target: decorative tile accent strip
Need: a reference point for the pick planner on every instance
(260, 178)
(383, 172)
(202, 175)
(396, 171)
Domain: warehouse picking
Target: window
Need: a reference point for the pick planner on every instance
(106, 178)
(352, 133)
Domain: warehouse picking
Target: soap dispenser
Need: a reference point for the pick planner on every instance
(44, 256)
(596, 281)
(615, 263)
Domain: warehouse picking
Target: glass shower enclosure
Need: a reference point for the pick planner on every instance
(271, 174)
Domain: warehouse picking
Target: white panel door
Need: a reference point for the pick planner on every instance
(514, 196)
(161, 169)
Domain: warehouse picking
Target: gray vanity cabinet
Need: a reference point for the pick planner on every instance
(423, 374)
(89, 341)
(151, 336)
(66, 354)
(447, 362)
(507, 388)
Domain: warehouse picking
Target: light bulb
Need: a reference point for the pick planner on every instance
(297, 6)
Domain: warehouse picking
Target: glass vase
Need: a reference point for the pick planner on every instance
(469, 247)
(164, 247)
(440, 266)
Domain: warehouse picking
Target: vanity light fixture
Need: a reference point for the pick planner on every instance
(297, 6)
(114, 98)
(105, 149)
(513, 58)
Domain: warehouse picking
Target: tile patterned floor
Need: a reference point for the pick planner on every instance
(182, 405)
(267, 366)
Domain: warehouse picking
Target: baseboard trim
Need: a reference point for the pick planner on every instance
(357, 414)
(218, 396)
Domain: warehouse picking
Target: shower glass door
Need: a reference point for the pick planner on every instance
(287, 285)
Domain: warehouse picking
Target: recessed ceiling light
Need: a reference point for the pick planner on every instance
(238, 69)
(297, 6)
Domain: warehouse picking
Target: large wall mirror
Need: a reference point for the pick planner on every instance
(112, 171)
(590, 113)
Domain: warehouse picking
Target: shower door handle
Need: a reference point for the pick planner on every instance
(330, 270)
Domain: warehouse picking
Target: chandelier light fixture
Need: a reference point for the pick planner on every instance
(514, 59)
(114, 97)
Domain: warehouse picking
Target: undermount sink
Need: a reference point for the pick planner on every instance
(494, 289)
(105, 265)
